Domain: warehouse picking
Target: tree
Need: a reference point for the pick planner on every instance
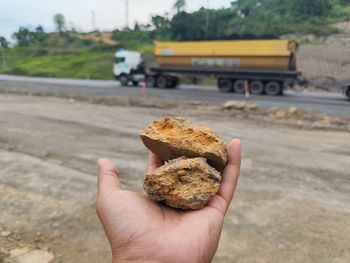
(39, 34)
(245, 7)
(23, 37)
(60, 22)
(344, 2)
(3, 42)
(309, 8)
(179, 6)
(161, 27)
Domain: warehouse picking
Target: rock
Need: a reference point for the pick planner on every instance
(186, 183)
(322, 124)
(252, 107)
(280, 114)
(27, 255)
(55, 225)
(5, 233)
(293, 110)
(175, 137)
(236, 105)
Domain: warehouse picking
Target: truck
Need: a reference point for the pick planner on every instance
(264, 66)
(128, 67)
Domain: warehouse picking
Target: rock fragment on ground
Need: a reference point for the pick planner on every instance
(5, 233)
(236, 105)
(27, 255)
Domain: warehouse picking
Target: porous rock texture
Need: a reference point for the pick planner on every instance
(186, 183)
(175, 137)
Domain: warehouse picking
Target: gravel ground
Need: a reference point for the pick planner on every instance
(292, 203)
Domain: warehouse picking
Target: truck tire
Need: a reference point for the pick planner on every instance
(173, 83)
(225, 85)
(151, 82)
(238, 86)
(124, 80)
(273, 88)
(257, 87)
(162, 82)
(135, 83)
(347, 92)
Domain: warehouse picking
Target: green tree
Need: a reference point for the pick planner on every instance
(161, 26)
(60, 22)
(179, 6)
(40, 35)
(23, 37)
(245, 7)
(344, 2)
(309, 8)
(4, 43)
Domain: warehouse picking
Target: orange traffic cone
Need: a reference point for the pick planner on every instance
(143, 89)
(246, 89)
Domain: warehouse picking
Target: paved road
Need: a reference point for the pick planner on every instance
(331, 103)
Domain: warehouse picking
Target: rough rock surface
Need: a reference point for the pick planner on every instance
(175, 137)
(186, 183)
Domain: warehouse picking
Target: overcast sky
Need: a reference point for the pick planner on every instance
(109, 14)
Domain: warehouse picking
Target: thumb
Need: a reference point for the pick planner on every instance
(108, 177)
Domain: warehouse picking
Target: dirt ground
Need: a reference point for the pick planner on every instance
(324, 63)
(292, 203)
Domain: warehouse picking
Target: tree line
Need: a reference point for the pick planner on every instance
(243, 19)
(26, 37)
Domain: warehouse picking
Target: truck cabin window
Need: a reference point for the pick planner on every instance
(119, 60)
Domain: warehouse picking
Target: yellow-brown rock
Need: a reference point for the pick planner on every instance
(186, 183)
(175, 137)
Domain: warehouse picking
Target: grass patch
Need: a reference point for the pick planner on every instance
(85, 64)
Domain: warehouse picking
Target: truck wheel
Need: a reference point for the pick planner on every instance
(273, 88)
(225, 85)
(238, 87)
(173, 83)
(150, 81)
(135, 83)
(257, 87)
(347, 92)
(162, 82)
(124, 80)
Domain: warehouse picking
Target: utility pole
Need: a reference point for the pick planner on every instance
(127, 13)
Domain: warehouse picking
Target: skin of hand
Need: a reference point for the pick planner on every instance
(141, 230)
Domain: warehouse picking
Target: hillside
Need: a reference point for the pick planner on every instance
(70, 56)
(90, 55)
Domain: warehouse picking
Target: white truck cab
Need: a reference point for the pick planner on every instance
(126, 64)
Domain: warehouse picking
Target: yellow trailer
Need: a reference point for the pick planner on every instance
(241, 66)
(235, 54)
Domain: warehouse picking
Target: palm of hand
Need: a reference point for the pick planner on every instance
(139, 229)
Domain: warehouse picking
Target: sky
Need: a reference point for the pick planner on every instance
(109, 14)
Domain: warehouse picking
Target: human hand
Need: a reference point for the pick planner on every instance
(141, 230)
